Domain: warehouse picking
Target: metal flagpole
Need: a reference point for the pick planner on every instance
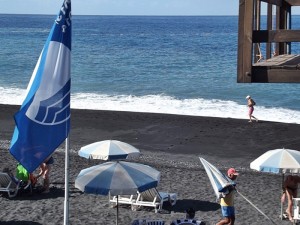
(66, 202)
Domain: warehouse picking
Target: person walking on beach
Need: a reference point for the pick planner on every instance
(290, 187)
(250, 104)
(45, 169)
(227, 202)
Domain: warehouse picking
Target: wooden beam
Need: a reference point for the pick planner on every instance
(275, 76)
(245, 41)
(293, 2)
(273, 2)
(256, 48)
(279, 69)
(281, 3)
(264, 36)
(269, 27)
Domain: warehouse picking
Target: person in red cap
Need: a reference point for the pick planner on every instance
(227, 202)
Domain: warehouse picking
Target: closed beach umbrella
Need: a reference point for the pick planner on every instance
(108, 150)
(117, 178)
(219, 181)
(278, 161)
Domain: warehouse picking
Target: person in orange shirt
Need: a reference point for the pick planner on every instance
(227, 202)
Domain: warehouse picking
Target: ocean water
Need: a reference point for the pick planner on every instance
(177, 65)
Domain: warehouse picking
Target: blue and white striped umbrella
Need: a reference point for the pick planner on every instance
(109, 150)
(117, 178)
(278, 161)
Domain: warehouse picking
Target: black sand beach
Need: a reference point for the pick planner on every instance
(169, 143)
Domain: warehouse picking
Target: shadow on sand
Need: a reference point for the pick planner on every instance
(38, 195)
(19, 223)
(183, 204)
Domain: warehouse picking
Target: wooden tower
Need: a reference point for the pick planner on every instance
(264, 55)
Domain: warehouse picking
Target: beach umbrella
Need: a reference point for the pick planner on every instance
(219, 181)
(117, 178)
(278, 161)
(108, 150)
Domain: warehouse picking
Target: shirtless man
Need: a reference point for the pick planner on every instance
(290, 187)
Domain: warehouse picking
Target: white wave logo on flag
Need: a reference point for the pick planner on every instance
(48, 103)
(43, 122)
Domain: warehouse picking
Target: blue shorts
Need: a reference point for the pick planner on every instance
(227, 211)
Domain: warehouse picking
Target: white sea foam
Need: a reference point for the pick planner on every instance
(194, 107)
(165, 104)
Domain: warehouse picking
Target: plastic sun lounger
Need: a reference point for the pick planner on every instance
(155, 199)
(148, 222)
(296, 209)
(122, 199)
(187, 222)
(8, 185)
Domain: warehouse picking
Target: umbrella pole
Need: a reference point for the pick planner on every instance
(281, 203)
(117, 209)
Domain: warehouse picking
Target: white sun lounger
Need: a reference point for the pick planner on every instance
(296, 209)
(155, 199)
(122, 199)
(8, 185)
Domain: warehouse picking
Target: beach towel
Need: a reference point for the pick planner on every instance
(22, 173)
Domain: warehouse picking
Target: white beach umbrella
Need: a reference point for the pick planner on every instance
(108, 150)
(278, 161)
(117, 178)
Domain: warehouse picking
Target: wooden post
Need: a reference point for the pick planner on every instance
(269, 27)
(245, 41)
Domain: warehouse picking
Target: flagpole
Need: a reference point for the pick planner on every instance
(66, 202)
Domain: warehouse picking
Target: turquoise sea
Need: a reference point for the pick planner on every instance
(165, 64)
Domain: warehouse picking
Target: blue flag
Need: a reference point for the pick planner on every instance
(43, 121)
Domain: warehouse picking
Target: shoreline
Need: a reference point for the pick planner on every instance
(169, 143)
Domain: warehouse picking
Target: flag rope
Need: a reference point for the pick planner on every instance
(256, 207)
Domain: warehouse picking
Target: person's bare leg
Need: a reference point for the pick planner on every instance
(47, 179)
(232, 221)
(250, 118)
(290, 204)
(224, 221)
(255, 118)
